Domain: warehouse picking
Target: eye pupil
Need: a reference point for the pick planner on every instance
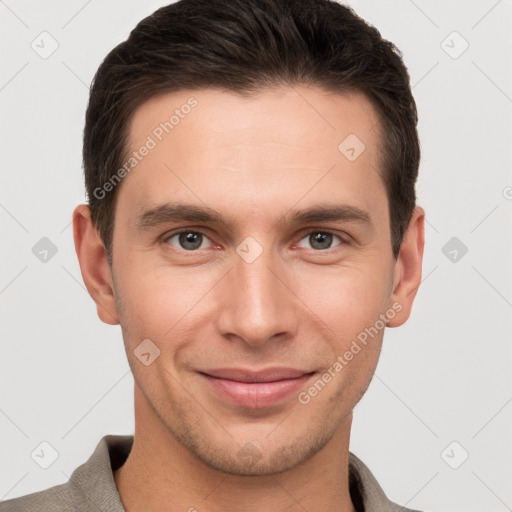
(323, 239)
(190, 240)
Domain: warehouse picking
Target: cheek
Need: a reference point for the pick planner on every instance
(347, 299)
(348, 306)
(157, 301)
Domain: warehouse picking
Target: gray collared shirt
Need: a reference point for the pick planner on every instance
(92, 488)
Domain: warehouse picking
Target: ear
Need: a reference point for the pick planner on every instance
(407, 275)
(93, 264)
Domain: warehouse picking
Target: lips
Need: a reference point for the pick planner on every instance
(268, 375)
(255, 389)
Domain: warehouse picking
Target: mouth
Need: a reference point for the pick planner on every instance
(255, 389)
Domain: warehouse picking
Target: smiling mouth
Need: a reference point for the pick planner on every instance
(255, 389)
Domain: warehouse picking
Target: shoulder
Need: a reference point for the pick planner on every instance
(61, 498)
(90, 488)
(366, 492)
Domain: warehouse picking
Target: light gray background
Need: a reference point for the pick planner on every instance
(443, 377)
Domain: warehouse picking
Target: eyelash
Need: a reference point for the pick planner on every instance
(172, 234)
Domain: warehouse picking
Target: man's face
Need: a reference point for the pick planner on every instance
(257, 289)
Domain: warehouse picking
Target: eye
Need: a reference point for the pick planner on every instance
(320, 240)
(188, 240)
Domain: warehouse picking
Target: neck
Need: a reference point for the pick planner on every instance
(162, 475)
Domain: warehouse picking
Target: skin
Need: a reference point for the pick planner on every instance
(253, 160)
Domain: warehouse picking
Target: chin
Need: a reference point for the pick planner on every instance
(258, 457)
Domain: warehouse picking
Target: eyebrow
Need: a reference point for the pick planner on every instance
(174, 212)
(179, 212)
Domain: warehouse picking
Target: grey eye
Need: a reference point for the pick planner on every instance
(319, 240)
(188, 240)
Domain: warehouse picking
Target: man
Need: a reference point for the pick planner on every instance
(252, 226)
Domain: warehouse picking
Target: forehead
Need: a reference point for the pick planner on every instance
(283, 142)
(275, 116)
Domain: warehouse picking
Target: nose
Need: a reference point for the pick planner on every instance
(257, 305)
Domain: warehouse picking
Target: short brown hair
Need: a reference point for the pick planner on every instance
(243, 46)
